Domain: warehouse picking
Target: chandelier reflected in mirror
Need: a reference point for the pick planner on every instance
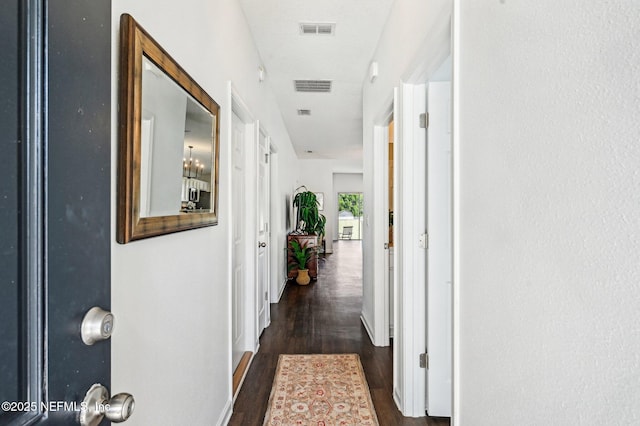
(191, 168)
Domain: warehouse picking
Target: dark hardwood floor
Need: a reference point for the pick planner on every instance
(322, 317)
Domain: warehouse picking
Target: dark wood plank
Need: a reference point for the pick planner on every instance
(322, 317)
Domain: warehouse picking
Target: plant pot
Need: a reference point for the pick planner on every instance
(303, 277)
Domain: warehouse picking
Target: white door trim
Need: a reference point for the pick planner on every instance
(277, 232)
(260, 298)
(240, 108)
(455, 207)
(379, 330)
(438, 300)
(410, 329)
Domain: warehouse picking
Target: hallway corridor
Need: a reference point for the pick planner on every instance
(323, 317)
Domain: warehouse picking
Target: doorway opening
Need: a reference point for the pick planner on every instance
(350, 216)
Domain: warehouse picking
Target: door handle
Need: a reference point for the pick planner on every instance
(97, 404)
(262, 244)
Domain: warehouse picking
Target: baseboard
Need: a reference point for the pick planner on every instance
(281, 290)
(225, 416)
(397, 399)
(368, 328)
(241, 372)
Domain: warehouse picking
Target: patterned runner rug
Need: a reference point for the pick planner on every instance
(320, 390)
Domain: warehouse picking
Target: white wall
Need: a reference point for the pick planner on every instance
(413, 31)
(414, 43)
(317, 176)
(171, 294)
(549, 201)
(283, 178)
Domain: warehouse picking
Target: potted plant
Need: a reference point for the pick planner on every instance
(308, 218)
(301, 255)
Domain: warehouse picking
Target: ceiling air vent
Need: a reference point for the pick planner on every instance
(315, 86)
(304, 112)
(317, 28)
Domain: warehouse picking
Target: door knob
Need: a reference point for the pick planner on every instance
(262, 244)
(97, 404)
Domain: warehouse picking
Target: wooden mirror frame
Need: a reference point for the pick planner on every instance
(135, 43)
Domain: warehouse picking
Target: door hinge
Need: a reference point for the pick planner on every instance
(266, 158)
(424, 240)
(266, 295)
(424, 120)
(424, 360)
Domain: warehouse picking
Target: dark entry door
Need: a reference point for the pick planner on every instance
(55, 126)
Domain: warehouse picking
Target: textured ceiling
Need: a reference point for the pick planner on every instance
(334, 128)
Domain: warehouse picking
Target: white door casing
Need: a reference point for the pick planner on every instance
(263, 246)
(439, 253)
(238, 208)
(378, 325)
(410, 255)
(277, 265)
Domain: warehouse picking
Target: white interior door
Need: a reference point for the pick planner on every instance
(238, 208)
(263, 234)
(439, 343)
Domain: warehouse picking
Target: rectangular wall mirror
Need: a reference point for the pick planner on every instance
(168, 142)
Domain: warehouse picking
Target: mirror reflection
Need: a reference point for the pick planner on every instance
(176, 148)
(168, 153)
